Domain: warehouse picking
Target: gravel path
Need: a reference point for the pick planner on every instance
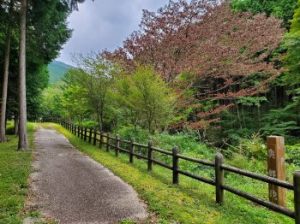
(72, 188)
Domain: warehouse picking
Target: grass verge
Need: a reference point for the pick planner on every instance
(189, 202)
(15, 167)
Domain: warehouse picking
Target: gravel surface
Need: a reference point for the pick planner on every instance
(72, 188)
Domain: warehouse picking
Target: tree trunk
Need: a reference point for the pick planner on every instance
(16, 125)
(23, 145)
(5, 85)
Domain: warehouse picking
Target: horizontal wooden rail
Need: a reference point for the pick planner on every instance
(202, 179)
(162, 151)
(139, 156)
(140, 145)
(123, 150)
(125, 141)
(264, 203)
(256, 176)
(162, 164)
(203, 162)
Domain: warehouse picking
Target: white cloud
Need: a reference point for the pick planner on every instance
(102, 25)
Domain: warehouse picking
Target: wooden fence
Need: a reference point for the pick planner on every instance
(114, 143)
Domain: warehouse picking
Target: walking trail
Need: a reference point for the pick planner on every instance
(72, 188)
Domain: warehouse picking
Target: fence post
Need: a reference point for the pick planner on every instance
(101, 139)
(276, 168)
(90, 135)
(131, 149)
(85, 134)
(219, 178)
(107, 142)
(175, 166)
(117, 145)
(149, 156)
(95, 137)
(297, 196)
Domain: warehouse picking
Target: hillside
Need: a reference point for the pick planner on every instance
(57, 70)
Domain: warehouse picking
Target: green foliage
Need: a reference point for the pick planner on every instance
(146, 99)
(98, 90)
(253, 148)
(292, 43)
(51, 102)
(282, 121)
(74, 102)
(136, 133)
(251, 101)
(293, 154)
(187, 143)
(283, 9)
(92, 85)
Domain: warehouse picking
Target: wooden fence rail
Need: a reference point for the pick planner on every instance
(115, 143)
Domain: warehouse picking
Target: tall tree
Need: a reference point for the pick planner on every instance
(5, 74)
(95, 77)
(23, 142)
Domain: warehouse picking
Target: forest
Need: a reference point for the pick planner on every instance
(31, 36)
(198, 76)
(223, 75)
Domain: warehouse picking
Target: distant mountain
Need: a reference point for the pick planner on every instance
(57, 71)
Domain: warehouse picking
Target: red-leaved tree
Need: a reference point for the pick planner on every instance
(208, 51)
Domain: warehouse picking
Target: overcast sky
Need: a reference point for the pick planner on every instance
(100, 25)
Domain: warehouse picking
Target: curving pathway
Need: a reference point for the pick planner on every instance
(72, 188)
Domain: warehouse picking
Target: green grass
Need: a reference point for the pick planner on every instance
(14, 172)
(190, 201)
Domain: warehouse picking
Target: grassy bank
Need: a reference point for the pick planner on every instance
(190, 202)
(14, 173)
